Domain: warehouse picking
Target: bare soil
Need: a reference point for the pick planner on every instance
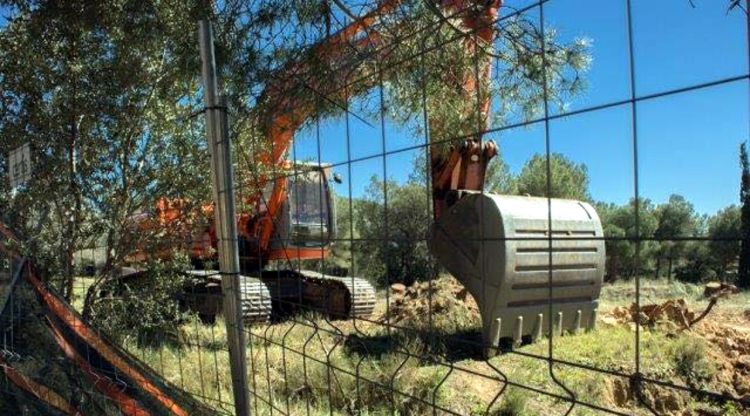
(725, 330)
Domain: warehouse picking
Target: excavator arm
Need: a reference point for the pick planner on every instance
(285, 110)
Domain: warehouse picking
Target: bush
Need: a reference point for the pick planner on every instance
(691, 360)
(699, 264)
(143, 307)
(514, 403)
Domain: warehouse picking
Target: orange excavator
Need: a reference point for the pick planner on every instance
(292, 211)
(531, 263)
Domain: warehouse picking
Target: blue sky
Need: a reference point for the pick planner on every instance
(687, 143)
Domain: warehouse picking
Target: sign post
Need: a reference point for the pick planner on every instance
(19, 166)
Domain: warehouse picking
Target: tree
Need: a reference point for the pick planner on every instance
(95, 88)
(676, 219)
(699, 265)
(624, 246)
(725, 230)
(392, 246)
(499, 179)
(744, 267)
(568, 179)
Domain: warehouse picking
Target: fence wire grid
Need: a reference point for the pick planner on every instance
(419, 347)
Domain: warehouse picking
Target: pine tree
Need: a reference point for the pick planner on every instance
(744, 268)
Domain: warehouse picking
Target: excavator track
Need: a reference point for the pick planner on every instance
(205, 297)
(340, 297)
(256, 301)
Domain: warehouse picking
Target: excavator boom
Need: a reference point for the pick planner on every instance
(285, 109)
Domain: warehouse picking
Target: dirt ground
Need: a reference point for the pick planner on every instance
(712, 352)
(424, 342)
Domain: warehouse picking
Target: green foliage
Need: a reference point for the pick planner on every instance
(676, 219)
(691, 360)
(429, 70)
(722, 228)
(95, 89)
(392, 238)
(499, 179)
(699, 264)
(622, 252)
(744, 266)
(513, 403)
(731, 409)
(567, 179)
(143, 308)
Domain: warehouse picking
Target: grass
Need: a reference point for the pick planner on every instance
(310, 365)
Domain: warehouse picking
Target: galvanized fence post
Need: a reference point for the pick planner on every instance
(217, 132)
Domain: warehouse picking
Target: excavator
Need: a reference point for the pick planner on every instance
(534, 265)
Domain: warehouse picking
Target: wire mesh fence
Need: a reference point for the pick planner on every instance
(385, 272)
(417, 354)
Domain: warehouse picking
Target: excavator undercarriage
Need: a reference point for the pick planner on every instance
(274, 294)
(268, 295)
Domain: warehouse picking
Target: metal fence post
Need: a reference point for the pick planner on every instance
(217, 132)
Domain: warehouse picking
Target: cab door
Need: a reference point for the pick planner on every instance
(306, 224)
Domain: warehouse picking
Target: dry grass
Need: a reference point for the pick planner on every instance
(310, 365)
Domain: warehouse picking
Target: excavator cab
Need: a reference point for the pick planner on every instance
(306, 222)
(311, 219)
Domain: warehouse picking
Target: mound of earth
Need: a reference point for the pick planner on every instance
(445, 300)
(673, 311)
(730, 344)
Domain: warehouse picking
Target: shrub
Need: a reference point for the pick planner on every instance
(391, 246)
(690, 356)
(144, 307)
(514, 403)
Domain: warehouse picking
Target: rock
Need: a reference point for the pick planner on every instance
(728, 345)
(730, 288)
(743, 362)
(620, 392)
(609, 320)
(398, 288)
(741, 384)
(622, 315)
(669, 402)
(747, 314)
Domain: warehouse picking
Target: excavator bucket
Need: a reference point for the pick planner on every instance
(528, 278)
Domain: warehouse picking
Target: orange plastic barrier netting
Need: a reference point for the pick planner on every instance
(53, 363)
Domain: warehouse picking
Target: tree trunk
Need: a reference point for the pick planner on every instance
(744, 266)
(75, 191)
(658, 266)
(669, 272)
(743, 280)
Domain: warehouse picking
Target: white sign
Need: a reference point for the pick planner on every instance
(19, 166)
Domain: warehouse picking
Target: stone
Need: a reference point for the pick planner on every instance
(743, 362)
(741, 384)
(398, 288)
